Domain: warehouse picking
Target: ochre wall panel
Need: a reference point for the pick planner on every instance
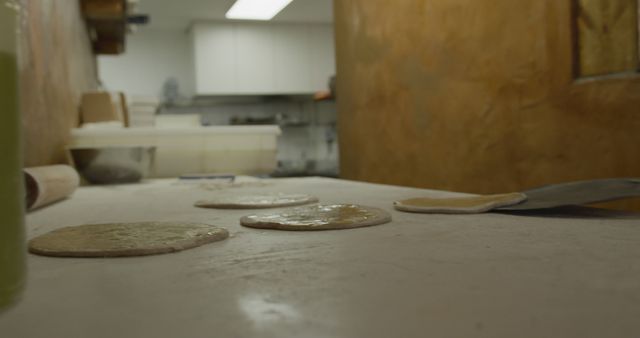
(476, 96)
(607, 34)
(57, 65)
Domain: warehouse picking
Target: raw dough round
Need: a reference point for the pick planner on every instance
(460, 205)
(257, 201)
(125, 239)
(318, 217)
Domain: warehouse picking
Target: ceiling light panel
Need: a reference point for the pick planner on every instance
(256, 9)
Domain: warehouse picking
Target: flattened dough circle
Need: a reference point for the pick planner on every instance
(125, 239)
(318, 217)
(460, 205)
(257, 201)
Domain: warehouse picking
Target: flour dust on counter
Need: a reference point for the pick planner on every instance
(319, 217)
(125, 239)
(248, 182)
(262, 201)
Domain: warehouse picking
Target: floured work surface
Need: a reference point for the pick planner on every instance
(569, 274)
(318, 217)
(256, 201)
(125, 239)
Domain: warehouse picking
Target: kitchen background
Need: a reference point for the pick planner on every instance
(238, 73)
(484, 96)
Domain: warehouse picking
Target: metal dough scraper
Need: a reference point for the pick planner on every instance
(578, 193)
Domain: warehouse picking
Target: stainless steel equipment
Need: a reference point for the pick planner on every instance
(578, 193)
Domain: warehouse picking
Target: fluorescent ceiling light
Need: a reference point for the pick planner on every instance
(256, 9)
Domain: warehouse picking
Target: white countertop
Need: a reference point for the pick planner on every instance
(490, 275)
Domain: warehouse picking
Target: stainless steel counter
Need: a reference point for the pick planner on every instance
(563, 274)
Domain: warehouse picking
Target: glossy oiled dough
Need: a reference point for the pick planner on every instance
(125, 239)
(460, 205)
(257, 201)
(318, 217)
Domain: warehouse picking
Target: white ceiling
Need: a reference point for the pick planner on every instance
(178, 14)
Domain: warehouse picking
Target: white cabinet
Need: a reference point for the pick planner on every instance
(259, 59)
(293, 58)
(323, 59)
(215, 67)
(254, 59)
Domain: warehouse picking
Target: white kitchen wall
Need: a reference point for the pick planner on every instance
(152, 57)
(235, 59)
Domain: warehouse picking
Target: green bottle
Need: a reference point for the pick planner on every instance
(12, 239)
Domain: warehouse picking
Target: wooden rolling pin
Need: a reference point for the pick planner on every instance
(49, 184)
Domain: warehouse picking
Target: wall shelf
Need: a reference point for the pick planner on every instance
(107, 22)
